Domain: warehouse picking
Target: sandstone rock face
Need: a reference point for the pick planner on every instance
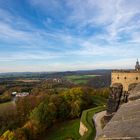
(134, 93)
(114, 98)
(125, 124)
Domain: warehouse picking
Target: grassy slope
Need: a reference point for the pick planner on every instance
(63, 131)
(5, 107)
(80, 79)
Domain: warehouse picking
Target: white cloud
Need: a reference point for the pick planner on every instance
(113, 16)
(117, 18)
(112, 64)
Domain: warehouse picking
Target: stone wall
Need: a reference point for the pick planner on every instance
(83, 129)
(125, 78)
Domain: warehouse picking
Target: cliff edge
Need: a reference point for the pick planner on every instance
(125, 124)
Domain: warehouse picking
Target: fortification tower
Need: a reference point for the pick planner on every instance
(126, 77)
(137, 67)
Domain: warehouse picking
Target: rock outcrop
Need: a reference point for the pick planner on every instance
(125, 124)
(114, 98)
(113, 101)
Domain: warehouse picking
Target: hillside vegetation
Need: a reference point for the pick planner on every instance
(35, 115)
(52, 103)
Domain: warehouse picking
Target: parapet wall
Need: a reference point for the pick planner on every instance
(83, 129)
(126, 78)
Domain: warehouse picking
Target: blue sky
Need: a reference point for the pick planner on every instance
(59, 35)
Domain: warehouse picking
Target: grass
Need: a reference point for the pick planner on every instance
(64, 131)
(80, 79)
(5, 107)
(99, 100)
(86, 119)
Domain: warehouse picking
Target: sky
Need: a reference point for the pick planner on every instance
(65, 35)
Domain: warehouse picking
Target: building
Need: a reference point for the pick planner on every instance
(14, 93)
(137, 67)
(126, 77)
(22, 94)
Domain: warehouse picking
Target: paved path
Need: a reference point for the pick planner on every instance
(97, 122)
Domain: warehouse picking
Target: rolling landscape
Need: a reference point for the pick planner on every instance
(69, 70)
(60, 88)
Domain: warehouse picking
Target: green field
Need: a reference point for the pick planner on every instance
(68, 130)
(80, 79)
(5, 107)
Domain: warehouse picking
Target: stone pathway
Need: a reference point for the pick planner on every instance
(97, 122)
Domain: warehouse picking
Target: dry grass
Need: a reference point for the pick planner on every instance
(27, 80)
(6, 107)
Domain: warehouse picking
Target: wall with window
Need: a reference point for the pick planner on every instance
(125, 78)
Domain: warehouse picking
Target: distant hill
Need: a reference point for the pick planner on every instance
(52, 74)
(100, 81)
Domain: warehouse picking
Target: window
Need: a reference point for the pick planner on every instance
(137, 78)
(117, 77)
(125, 78)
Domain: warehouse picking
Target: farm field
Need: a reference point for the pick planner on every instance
(80, 79)
(27, 80)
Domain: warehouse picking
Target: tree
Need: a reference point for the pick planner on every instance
(20, 134)
(75, 109)
(8, 135)
(45, 113)
(25, 106)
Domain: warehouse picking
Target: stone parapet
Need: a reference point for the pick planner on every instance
(83, 129)
(125, 71)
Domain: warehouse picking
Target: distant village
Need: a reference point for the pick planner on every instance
(23, 94)
(20, 94)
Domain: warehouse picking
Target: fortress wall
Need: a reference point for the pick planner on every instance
(83, 129)
(125, 78)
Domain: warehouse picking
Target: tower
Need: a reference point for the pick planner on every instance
(137, 67)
